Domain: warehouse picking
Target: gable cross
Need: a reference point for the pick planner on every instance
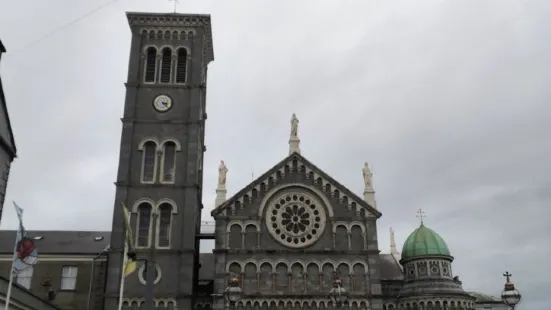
(175, 4)
(507, 276)
(421, 215)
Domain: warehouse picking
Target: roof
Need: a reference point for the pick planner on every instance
(287, 160)
(390, 268)
(60, 242)
(484, 298)
(6, 134)
(422, 242)
(24, 297)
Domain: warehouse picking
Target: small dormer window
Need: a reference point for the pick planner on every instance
(98, 238)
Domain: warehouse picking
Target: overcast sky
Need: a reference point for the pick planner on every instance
(447, 100)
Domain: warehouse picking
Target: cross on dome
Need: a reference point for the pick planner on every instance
(421, 215)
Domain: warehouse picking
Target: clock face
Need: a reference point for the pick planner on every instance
(162, 103)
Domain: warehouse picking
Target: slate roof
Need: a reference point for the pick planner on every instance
(24, 296)
(485, 298)
(8, 142)
(60, 242)
(390, 268)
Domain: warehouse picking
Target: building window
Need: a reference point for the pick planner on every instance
(24, 278)
(150, 65)
(169, 161)
(144, 224)
(165, 219)
(181, 66)
(69, 278)
(149, 160)
(165, 65)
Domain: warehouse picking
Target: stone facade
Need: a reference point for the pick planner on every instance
(160, 175)
(7, 143)
(21, 299)
(289, 233)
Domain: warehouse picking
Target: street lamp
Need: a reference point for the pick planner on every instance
(510, 296)
(338, 294)
(233, 292)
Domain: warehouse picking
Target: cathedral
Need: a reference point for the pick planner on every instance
(285, 238)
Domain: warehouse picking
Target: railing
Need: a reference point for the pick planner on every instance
(207, 227)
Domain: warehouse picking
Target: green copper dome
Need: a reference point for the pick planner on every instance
(424, 242)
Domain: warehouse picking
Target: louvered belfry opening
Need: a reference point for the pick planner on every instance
(150, 65)
(165, 65)
(181, 66)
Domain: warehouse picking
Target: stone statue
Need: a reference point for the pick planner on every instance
(393, 249)
(367, 176)
(294, 126)
(222, 172)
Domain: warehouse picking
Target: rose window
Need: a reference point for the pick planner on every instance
(295, 219)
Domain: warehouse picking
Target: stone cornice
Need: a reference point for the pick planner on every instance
(179, 21)
(282, 252)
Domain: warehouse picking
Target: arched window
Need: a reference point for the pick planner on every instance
(169, 162)
(150, 65)
(165, 65)
(181, 66)
(144, 225)
(165, 221)
(149, 159)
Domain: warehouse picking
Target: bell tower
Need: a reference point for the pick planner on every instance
(160, 174)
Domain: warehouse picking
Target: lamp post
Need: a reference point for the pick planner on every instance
(338, 294)
(233, 292)
(510, 296)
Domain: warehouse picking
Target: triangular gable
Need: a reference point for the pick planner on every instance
(310, 170)
(6, 133)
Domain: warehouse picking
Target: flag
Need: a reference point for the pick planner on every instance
(129, 261)
(25, 254)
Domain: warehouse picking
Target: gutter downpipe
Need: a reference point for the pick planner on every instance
(92, 278)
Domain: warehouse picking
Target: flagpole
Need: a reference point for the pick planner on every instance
(10, 283)
(126, 244)
(121, 288)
